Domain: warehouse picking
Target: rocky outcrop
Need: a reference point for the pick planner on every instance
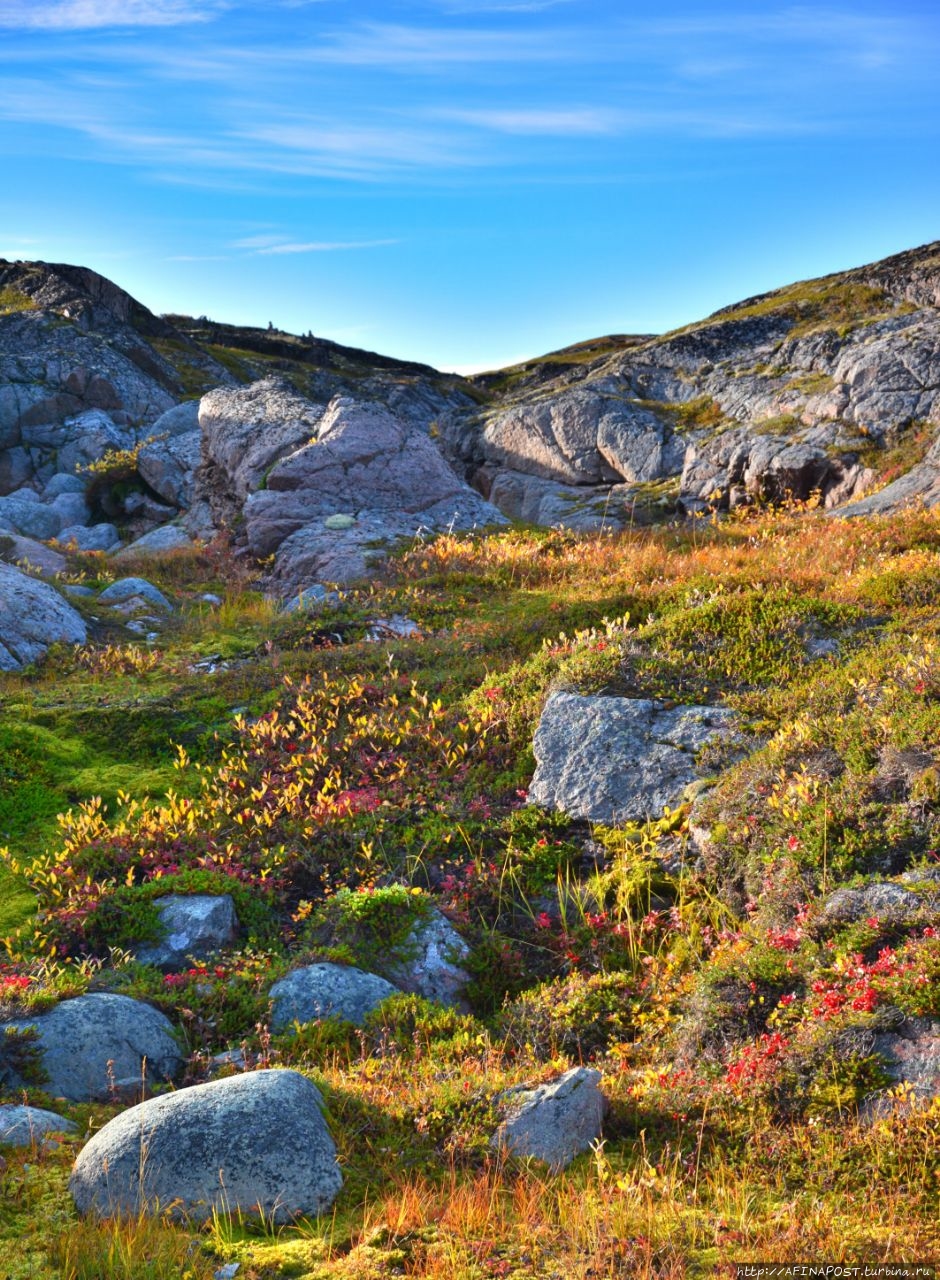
(554, 1122)
(326, 991)
(97, 1046)
(791, 395)
(616, 760)
(327, 491)
(255, 1145)
(781, 396)
(33, 615)
(584, 436)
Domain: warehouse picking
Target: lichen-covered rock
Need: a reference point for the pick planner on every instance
(433, 969)
(911, 1057)
(888, 903)
(254, 1144)
(127, 589)
(29, 1126)
(100, 1044)
(616, 760)
(553, 1122)
(327, 991)
(33, 615)
(168, 465)
(168, 537)
(194, 926)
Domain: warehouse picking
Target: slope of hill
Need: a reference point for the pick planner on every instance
(592, 877)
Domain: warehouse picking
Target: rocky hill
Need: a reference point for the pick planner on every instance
(825, 390)
(387, 888)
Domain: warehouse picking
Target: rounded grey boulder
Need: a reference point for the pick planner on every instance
(33, 616)
(99, 1044)
(554, 1122)
(615, 760)
(196, 925)
(23, 1126)
(126, 589)
(327, 991)
(251, 1144)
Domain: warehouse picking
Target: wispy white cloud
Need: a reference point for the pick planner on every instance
(410, 48)
(557, 122)
(270, 243)
(354, 148)
(499, 6)
(76, 15)
(325, 246)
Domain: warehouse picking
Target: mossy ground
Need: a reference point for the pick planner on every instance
(673, 972)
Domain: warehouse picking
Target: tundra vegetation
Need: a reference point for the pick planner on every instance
(339, 787)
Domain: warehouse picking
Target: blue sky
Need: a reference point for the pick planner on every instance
(465, 182)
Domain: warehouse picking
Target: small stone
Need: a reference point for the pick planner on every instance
(554, 1122)
(25, 1126)
(127, 590)
(434, 970)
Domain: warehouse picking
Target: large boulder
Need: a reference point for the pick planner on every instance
(33, 615)
(29, 1126)
(193, 926)
(158, 542)
(254, 1144)
(247, 429)
(24, 513)
(181, 420)
(30, 554)
(554, 1122)
(98, 1045)
(96, 537)
(584, 436)
(168, 465)
(364, 459)
(584, 508)
(616, 760)
(327, 492)
(326, 991)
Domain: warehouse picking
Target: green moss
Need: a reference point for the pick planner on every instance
(370, 929)
(12, 300)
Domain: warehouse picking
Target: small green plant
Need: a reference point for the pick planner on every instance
(12, 300)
